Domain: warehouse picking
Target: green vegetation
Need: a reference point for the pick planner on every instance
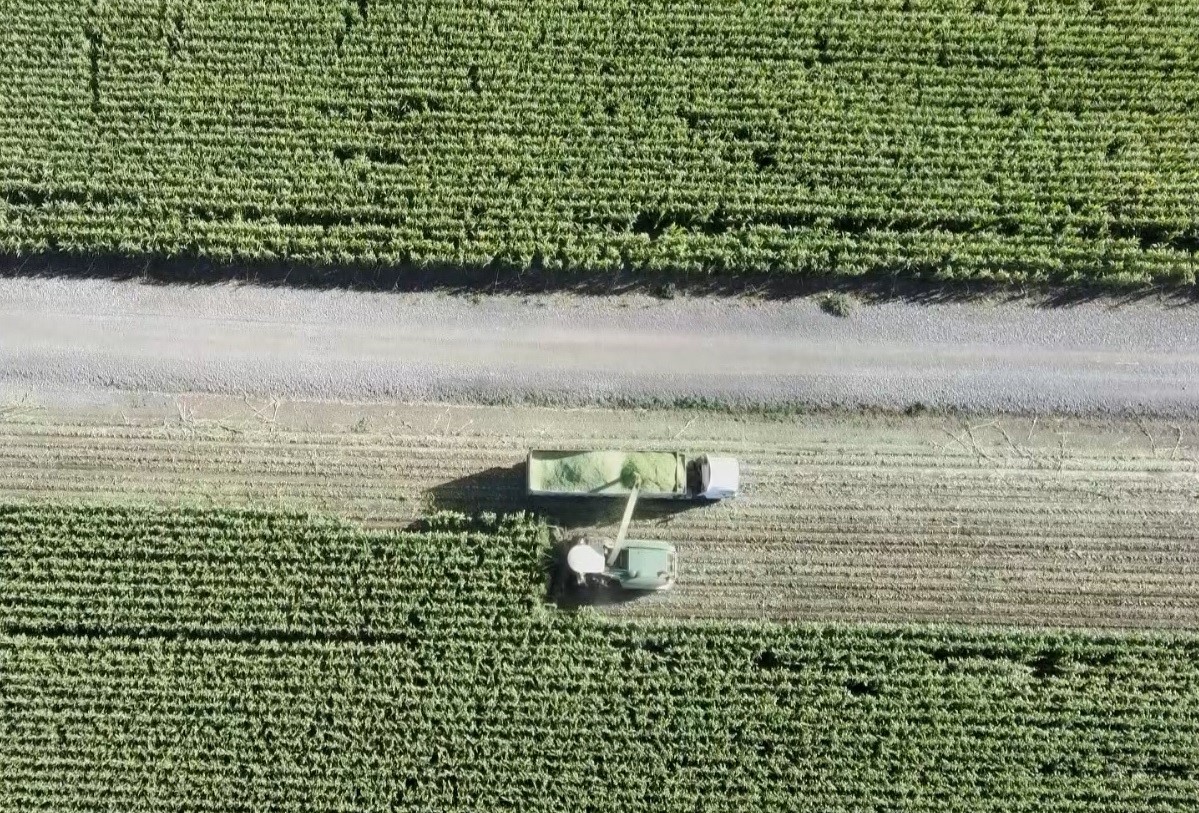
(631, 475)
(159, 660)
(989, 139)
(836, 303)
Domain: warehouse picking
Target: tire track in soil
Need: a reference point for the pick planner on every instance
(1065, 522)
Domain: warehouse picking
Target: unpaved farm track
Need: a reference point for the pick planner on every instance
(1139, 358)
(1005, 521)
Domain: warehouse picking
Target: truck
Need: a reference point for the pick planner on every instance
(661, 475)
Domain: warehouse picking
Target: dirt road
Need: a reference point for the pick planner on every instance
(1066, 522)
(566, 349)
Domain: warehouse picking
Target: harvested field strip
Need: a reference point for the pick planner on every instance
(1049, 521)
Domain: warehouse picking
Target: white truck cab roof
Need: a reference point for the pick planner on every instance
(721, 477)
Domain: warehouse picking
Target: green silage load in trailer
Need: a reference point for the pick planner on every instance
(608, 472)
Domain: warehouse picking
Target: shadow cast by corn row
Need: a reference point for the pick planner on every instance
(913, 284)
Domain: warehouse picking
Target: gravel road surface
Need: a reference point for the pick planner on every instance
(1142, 357)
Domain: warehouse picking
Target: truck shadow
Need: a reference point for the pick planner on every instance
(501, 490)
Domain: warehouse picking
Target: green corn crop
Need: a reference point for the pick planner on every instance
(170, 660)
(996, 140)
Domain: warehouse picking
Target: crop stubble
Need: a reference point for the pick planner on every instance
(928, 518)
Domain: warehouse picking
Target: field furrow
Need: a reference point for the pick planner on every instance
(1073, 522)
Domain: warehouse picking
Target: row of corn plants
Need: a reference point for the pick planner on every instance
(218, 660)
(992, 139)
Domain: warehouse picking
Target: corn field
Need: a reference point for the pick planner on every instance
(1008, 140)
(219, 660)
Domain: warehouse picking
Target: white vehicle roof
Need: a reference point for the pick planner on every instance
(584, 559)
(722, 477)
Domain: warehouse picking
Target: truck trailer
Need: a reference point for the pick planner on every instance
(659, 475)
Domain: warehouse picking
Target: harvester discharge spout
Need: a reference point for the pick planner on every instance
(624, 524)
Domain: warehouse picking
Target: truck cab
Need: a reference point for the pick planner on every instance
(713, 478)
